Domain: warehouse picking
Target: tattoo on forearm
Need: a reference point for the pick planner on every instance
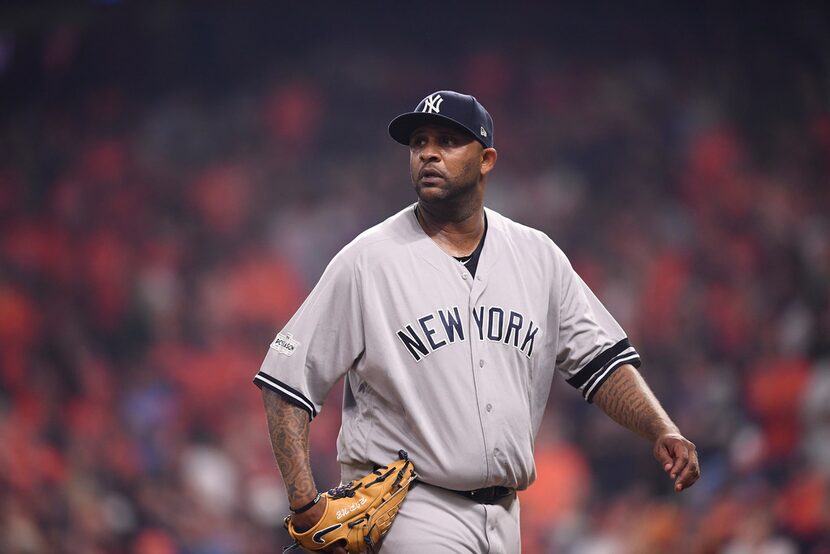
(288, 427)
(628, 400)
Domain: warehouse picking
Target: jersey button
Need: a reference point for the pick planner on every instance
(464, 276)
(489, 407)
(481, 363)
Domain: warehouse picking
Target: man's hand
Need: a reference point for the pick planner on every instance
(678, 456)
(308, 519)
(628, 400)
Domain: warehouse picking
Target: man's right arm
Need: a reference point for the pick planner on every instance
(288, 428)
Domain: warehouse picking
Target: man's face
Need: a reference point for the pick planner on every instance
(444, 163)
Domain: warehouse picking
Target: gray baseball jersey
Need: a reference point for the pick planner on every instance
(454, 369)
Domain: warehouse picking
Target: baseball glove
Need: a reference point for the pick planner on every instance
(360, 512)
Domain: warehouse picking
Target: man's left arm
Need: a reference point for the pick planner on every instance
(629, 401)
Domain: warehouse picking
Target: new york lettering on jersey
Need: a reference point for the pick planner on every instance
(445, 326)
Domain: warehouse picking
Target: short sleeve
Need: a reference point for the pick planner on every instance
(591, 344)
(321, 342)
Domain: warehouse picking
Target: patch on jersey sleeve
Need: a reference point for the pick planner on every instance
(284, 344)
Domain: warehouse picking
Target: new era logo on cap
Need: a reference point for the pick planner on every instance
(446, 107)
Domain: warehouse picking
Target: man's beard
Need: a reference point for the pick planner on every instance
(457, 191)
(455, 201)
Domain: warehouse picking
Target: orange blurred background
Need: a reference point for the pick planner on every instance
(174, 179)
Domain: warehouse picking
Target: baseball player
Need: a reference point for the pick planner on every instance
(449, 322)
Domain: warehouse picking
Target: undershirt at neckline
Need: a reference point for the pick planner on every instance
(471, 261)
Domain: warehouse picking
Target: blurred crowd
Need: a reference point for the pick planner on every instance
(153, 240)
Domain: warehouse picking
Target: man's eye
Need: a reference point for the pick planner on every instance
(449, 140)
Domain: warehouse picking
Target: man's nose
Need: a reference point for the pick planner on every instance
(429, 151)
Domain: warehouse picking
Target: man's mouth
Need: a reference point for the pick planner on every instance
(429, 173)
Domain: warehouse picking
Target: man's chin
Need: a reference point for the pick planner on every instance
(430, 194)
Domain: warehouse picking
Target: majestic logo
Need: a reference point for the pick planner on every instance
(432, 104)
(318, 536)
(284, 344)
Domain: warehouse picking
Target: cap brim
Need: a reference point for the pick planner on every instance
(402, 127)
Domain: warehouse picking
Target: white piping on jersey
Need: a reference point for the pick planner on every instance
(273, 383)
(628, 356)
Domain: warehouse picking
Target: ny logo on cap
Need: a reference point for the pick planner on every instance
(432, 104)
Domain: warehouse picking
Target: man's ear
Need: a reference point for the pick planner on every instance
(488, 160)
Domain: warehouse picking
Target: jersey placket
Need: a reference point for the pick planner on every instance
(479, 369)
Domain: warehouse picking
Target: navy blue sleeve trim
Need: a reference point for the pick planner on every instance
(290, 394)
(589, 396)
(596, 365)
(597, 371)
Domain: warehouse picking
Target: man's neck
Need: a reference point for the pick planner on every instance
(456, 233)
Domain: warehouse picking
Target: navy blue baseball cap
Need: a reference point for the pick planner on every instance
(446, 107)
